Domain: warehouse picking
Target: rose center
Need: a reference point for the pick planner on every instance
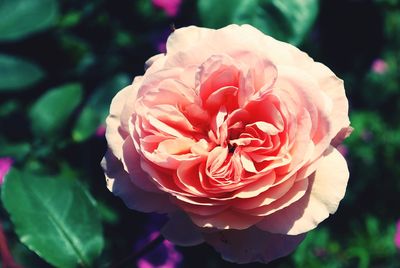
(231, 148)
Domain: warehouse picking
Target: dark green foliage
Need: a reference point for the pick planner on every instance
(54, 216)
(21, 18)
(17, 74)
(97, 107)
(288, 21)
(51, 111)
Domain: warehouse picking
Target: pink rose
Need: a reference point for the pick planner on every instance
(233, 134)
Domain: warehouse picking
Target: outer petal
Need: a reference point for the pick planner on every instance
(114, 133)
(252, 245)
(327, 188)
(131, 161)
(192, 45)
(118, 181)
(181, 231)
(334, 88)
(154, 63)
(185, 37)
(228, 219)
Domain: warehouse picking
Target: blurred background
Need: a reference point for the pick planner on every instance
(61, 62)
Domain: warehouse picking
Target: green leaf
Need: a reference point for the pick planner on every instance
(15, 150)
(8, 107)
(51, 112)
(17, 74)
(286, 20)
(20, 18)
(54, 217)
(70, 19)
(97, 107)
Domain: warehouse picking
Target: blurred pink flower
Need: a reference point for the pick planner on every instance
(101, 131)
(397, 235)
(5, 165)
(367, 135)
(379, 66)
(163, 256)
(171, 7)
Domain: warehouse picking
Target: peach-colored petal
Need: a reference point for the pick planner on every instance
(184, 38)
(252, 245)
(334, 88)
(201, 210)
(155, 63)
(274, 198)
(168, 91)
(131, 162)
(195, 45)
(227, 219)
(257, 81)
(260, 185)
(216, 72)
(265, 110)
(187, 177)
(114, 133)
(128, 103)
(119, 182)
(327, 188)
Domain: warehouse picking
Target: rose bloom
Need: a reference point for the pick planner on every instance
(234, 135)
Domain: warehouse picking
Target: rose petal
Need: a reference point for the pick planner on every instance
(184, 38)
(118, 181)
(114, 133)
(157, 60)
(256, 187)
(257, 82)
(334, 88)
(228, 219)
(252, 245)
(181, 231)
(276, 198)
(326, 190)
(131, 162)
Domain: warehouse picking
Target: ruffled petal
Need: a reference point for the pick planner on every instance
(114, 133)
(227, 219)
(131, 161)
(184, 38)
(334, 88)
(327, 188)
(119, 182)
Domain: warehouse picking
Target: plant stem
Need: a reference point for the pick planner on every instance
(6, 257)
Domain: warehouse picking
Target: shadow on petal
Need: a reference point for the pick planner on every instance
(252, 245)
(119, 182)
(180, 230)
